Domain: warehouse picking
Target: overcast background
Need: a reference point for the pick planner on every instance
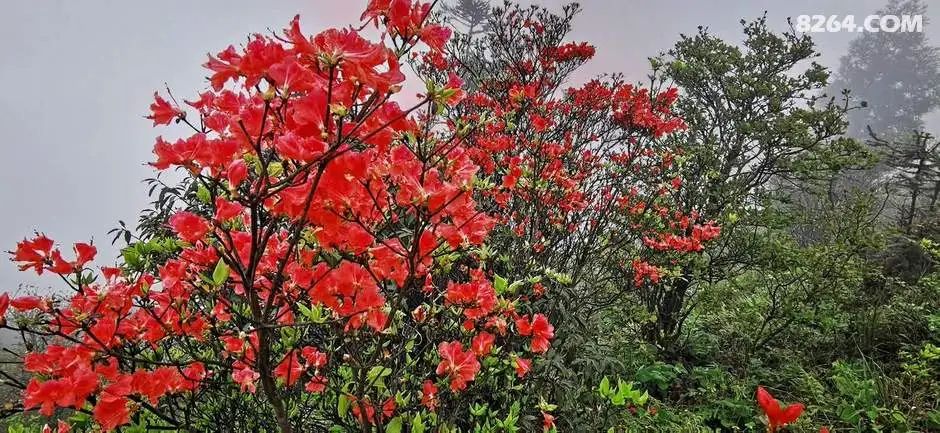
(79, 75)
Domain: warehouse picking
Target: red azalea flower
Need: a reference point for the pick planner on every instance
(538, 289)
(290, 369)
(643, 270)
(189, 226)
(539, 328)
(292, 76)
(162, 113)
(84, 253)
(460, 366)
(314, 357)
(157, 383)
(305, 149)
(455, 87)
(27, 303)
(435, 36)
(482, 343)
(316, 385)
(477, 297)
(226, 210)
(388, 408)
(59, 265)
(44, 395)
(429, 395)
(245, 377)
(364, 410)
(61, 427)
(548, 421)
(193, 374)
(542, 333)
(419, 314)
(112, 408)
(523, 366)
(777, 416)
(33, 253)
(112, 412)
(4, 305)
(236, 172)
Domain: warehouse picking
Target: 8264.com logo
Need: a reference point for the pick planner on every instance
(870, 24)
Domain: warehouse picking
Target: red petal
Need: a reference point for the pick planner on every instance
(790, 414)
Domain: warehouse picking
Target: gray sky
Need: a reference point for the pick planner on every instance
(80, 75)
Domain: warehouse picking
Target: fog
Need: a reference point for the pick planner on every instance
(79, 77)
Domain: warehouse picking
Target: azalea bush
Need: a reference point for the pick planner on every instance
(582, 183)
(324, 266)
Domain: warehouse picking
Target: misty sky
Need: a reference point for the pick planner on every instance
(79, 76)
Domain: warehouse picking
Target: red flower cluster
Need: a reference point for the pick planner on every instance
(408, 20)
(572, 51)
(478, 300)
(539, 329)
(477, 297)
(643, 271)
(38, 254)
(635, 109)
(564, 166)
(701, 233)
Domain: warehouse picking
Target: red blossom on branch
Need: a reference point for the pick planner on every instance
(456, 364)
(777, 415)
(162, 113)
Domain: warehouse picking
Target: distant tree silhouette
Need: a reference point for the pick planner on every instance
(472, 14)
(895, 77)
(915, 177)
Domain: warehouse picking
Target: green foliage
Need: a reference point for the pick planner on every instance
(146, 256)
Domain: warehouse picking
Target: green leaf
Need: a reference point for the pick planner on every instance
(220, 273)
(477, 409)
(417, 424)
(500, 284)
(376, 376)
(305, 311)
(275, 169)
(342, 406)
(314, 314)
(202, 193)
(131, 257)
(604, 387)
(394, 426)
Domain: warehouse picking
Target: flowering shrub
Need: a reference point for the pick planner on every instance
(568, 168)
(581, 184)
(325, 271)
